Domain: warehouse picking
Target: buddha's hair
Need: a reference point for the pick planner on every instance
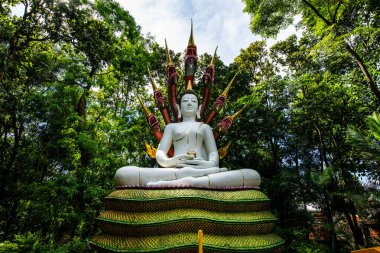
(188, 92)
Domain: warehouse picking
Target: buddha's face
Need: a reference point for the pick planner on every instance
(189, 105)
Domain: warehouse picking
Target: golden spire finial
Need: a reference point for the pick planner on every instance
(189, 85)
(236, 114)
(154, 86)
(225, 92)
(191, 39)
(168, 58)
(145, 109)
(212, 63)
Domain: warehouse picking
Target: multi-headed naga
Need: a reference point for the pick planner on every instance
(172, 82)
(187, 150)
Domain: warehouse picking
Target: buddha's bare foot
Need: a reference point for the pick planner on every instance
(223, 169)
(192, 172)
(186, 181)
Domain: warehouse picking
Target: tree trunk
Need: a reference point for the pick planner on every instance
(331, 237)
(352, 52)
(349, 212)
(364, 69)
(322, 146)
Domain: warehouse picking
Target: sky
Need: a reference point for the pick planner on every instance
(219, 23)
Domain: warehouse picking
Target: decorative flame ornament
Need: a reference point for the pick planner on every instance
(189, 85)
(151, 151)
(223, 151)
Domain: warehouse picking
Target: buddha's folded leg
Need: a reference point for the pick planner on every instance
(172, 174)
(132, 175)
(128, 175)
(243, 177)
(192, 172)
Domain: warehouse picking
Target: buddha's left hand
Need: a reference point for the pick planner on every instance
(196, 163)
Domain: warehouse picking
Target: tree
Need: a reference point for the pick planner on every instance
(327, 100)
(66, 73)
(367, 143)
(340, 26)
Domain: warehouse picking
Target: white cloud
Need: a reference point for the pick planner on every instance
(219, 23)
(216, 23)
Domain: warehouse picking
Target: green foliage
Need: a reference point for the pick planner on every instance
(321, 96)
(69, 117)
(367, 142)
(22, 243)
(299, 241)
(269, 17)
(67, 73)
(373, 123)
(339, 27)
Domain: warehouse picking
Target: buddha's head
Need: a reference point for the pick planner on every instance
(189, 104)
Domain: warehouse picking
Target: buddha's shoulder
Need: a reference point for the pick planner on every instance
(186, 124)
(170, 126)
(205, 126)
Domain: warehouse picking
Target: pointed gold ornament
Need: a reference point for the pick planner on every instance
(236, 114)
(150, 150)
(191, 39)
(168, 58)
(154, 86)
(212, 63)
(223, 151)
(145, 109)
(225, 92)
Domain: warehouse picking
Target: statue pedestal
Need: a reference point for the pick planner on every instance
(152, 219)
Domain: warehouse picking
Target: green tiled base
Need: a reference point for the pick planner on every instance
(167, 220)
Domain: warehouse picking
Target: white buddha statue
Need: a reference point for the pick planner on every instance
(195, 161)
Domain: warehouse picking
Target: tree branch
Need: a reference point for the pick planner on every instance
(327, 22)
(336, 11)
(365, 71)
(25, 11)
(105, 73)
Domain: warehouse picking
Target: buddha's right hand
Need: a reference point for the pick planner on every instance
(179, 159)
(172, 162)
(196, 164)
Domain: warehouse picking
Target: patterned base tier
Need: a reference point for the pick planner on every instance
(188, 241)
(168, 219)
(160, 199)
(186, 220)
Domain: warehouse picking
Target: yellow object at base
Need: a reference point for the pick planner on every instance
(368, 250)
(200, 241)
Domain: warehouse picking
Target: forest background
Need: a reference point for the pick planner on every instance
(69, 72)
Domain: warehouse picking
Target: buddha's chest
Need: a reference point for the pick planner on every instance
(188, 132)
